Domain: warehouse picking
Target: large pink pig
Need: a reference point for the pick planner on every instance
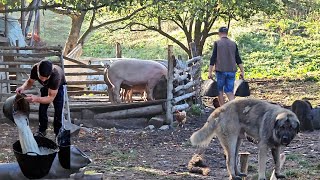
(132, 72)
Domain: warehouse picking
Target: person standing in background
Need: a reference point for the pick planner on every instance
(224, 61)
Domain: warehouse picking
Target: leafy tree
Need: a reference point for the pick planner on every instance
(78, 11)
(196, 18)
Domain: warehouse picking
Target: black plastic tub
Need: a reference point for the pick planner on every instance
(35, 166)
(16, 103)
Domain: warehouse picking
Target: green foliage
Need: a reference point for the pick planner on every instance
(133, 45)
(195, 110)
(280, 52)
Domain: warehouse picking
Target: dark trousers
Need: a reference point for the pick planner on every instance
(58, 107)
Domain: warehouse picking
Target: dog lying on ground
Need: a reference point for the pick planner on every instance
(271, 126)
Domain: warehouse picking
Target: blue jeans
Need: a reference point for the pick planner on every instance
(225, 81)
(57, 104)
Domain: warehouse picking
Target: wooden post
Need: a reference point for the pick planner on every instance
(23, 18)
(169, 114)
(38, 19)
(197, 76)
(193, 49)
(34, 2)
(118, 50)
(18, 74)
(244, 163)
(6, 22)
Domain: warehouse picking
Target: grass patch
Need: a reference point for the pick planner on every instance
(293, 173)
(293, 157)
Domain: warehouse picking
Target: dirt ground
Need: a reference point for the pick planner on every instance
(164, 154)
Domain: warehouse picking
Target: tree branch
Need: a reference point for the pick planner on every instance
(52, 6)
(92, 28)
(160, 32)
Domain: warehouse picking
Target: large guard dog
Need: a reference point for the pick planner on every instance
(270, 125)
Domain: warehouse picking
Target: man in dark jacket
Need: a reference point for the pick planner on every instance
(52, 78)
(224, 61)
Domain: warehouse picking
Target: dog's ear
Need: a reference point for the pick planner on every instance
(295, 123)
(280, 119)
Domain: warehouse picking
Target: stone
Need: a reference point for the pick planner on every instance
(156, 121)
(150, 127)
(164, 127)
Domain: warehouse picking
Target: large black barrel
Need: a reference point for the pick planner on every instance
(35, 166)
(16, 103)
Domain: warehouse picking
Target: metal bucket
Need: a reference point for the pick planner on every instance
(35, 166)
(16, 103)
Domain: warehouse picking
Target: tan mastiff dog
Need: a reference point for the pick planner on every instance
(271, 126)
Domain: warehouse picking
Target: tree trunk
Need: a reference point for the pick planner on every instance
(74, 34)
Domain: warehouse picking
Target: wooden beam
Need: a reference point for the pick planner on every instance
(16, 63)
(107, 107)
(85, 82)
(45, 48)
(16, 70)
(185, 96)
(44, 54)
(73, 93)
(23, 18)
(84, 66)
(118, 50)
(180, 107)
(132, 113)
(84, 73)
(186, 86)
(95, 68)
(194, 60)
(169, 114)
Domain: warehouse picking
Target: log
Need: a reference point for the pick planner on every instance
(107, 107)
(186, 86)
(131, 113)
(180, 107)
(124, 123)
(194, 60)
(185, 96)
(180, 78)
(179, 71)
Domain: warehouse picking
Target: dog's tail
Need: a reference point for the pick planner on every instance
(203, 136)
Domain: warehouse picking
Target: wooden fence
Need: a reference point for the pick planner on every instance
(183, 82)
